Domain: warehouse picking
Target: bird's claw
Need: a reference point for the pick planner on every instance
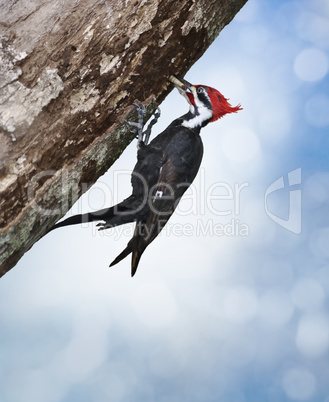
(133, 124)
(157, 114)
(141, 109)
(138, 127)
(147, 132)
(102, 226)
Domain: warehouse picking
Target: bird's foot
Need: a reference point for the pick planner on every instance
(143, 136)
(138, 127)
(147, 132)
(103, 226)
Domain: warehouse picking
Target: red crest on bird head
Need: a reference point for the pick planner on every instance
(219, 104)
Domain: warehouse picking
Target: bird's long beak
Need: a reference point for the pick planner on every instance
(183, 86)
(180, 83)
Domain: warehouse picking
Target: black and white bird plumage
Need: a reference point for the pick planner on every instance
(165, 169)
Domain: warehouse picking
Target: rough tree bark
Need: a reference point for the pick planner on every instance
(69, 72)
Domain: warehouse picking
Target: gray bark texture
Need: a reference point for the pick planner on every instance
(69, 72)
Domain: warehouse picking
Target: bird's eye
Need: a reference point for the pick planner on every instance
(200, 90)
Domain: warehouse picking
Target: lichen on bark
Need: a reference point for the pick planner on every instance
(69, 73)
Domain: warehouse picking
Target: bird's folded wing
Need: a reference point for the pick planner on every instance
(163, 200)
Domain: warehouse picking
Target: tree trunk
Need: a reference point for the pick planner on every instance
(69, 72)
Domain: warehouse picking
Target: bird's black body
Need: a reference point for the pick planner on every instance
(164, 170)
(168, 164)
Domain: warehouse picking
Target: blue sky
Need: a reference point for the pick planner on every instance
(230, 303)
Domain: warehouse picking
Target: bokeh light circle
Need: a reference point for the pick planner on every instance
(311, 64)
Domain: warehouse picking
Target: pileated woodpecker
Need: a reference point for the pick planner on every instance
(164, 170)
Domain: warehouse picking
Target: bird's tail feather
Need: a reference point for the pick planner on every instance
(134, 261)
(122, 255)
(135, 246)
(73, 220)
(113, 216)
